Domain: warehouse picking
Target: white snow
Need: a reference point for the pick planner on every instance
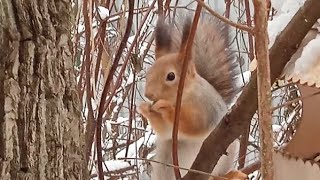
(148, 139)
(119, 99)
(283, 17)
(109, 127)
(115, 109)
(276, 128)
(122, 119)
(245, 76)
(130, 79)
(113, 165)
(309, 57)
(276, 4)
(114, 18)
(94, 104)
(103, 12)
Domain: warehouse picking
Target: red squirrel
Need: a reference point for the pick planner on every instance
(210, 85)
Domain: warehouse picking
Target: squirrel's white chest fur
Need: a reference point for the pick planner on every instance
(187, 152)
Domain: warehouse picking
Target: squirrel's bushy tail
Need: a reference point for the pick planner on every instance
(212, 52)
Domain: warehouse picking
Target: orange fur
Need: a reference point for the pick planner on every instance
(162, 114)
(155, 119)
(236, 175)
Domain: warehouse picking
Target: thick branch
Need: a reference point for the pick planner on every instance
(235, 122)
(264, 88)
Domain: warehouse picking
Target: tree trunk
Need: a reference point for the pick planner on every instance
(41, 133)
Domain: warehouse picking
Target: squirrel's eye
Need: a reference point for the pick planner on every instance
(170, 76)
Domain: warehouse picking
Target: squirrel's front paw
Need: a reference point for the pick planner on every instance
(161, 106)
(144, 108)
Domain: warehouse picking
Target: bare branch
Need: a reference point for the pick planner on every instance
(251, 167)
(107, 87)
(222, 18)
(87, 15)
(174, 166)
(160, 7)
(249, 24)
(264, 88)
(295, 100)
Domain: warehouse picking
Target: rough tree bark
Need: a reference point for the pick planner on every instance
(41, 134)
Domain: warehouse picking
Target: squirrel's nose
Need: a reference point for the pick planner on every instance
(149, 95)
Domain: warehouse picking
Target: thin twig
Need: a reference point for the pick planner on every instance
(87, 15)
(251, 167)
(105, 103)
(243, 147)
(186, 56)
(174, 166)
(160, 7)
(115, 172)
(228, 5)
(222, 18)
(264, 88)
(249, 24)
(123, 68)
(167, 7)
(107, 87)
(295, 100)
(131, 114)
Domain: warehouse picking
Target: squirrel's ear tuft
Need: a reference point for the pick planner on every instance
(185, 33)
(163, 38)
